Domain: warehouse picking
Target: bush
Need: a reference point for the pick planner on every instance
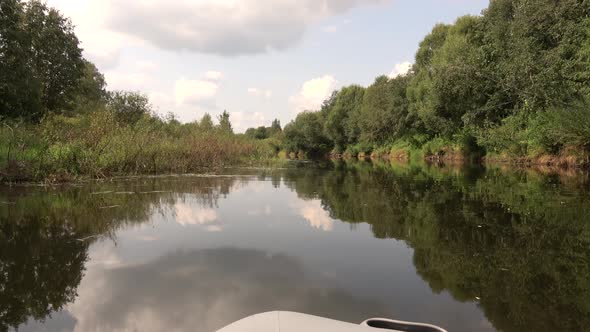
(358, 149)
(562, 127)
(512, 136)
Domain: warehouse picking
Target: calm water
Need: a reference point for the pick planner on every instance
(467, 249)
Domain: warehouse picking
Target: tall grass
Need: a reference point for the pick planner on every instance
(97, 145)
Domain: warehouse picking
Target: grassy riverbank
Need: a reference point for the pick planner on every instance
(98, 145)
(462, 151)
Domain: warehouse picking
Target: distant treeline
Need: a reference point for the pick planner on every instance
(512, 82)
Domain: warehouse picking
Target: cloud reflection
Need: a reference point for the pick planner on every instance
(315, 214)
(190, 215)
(204, 290)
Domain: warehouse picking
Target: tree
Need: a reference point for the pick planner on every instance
(376, 114)
(41, 61)
(129, 107)
(261, 133)
(306, 133)
(91, 90)
(56, 56)
(224, 123)
(341, 124)
(450, 79)
(206, 123)
(275, 128)
(19, 89)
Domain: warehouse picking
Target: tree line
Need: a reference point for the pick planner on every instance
(514, 80)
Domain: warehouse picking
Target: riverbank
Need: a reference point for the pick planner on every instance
(99, 145)
(456, 153)
(63, 149)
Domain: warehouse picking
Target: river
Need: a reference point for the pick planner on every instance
(465, 248)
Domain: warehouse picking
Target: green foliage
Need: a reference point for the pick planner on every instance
(376, 115)
(500, 82)
(206, 123)
(275, 127)
(511, 136)
(41, 61)
(129, 107)
(306, 133)
(103, 143)
(361, 148)
(449, 86)
(262, 132)
(91, 90)
(224, 123)
(341, 125)
(565, 127)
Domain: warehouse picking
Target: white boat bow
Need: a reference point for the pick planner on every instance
(285, 321)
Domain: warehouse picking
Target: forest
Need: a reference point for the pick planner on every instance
(510, 84)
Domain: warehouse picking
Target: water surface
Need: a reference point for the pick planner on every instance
(468, 249)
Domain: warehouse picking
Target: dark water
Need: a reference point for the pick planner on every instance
(467, 249)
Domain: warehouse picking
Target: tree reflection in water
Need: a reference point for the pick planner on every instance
(515, 242)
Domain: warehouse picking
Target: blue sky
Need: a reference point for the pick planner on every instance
(258, 59)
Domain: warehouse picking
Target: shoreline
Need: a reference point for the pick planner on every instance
(545, 161)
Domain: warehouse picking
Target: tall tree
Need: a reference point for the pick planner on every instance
(341, 121)
(19, 89)
(377, 117)
(306, 133)
(206, 122)
(225, 123)
(56, 56)
(275, 127)
(41, 60)
(91, 90)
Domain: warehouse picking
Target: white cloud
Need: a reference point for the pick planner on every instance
(127, 81)
(244, 120)
(226, 27)
(313, 212)
(190, 92)
(313, 93)
(146, 65)
(400, 69)
(101, 45)
(161, 99)
(189, 100)
(266, 93)
(213, 75)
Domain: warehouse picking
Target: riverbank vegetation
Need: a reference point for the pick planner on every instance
(58, 121)
(512, 84)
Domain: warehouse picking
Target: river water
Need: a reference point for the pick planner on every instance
(465, 248)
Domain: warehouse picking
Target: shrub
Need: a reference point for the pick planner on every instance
(560, 127)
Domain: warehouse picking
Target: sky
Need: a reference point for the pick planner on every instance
(257, 59)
